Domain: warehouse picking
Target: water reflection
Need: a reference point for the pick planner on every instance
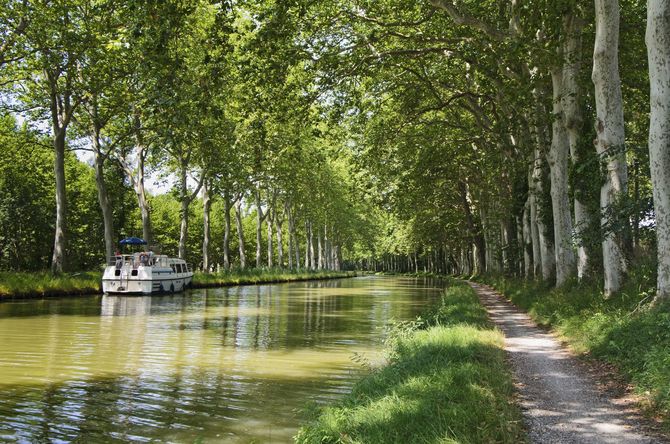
(217, 365)
(125, 305)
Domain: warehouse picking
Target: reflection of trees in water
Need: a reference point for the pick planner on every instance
(74, 306)
(180, 407)
(303, 314)
(188, 362)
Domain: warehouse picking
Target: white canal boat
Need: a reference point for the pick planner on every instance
(145, 273)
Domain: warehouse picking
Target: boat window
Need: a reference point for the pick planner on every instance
(181, 268)
(173, 268)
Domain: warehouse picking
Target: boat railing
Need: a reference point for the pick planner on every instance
(135, 260)
(116, 259)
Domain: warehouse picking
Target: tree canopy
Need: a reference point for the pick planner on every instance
(453, 137)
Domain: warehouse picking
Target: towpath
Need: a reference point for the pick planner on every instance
(560, 400)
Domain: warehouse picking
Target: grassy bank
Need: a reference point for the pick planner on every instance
(44, 284)
(446, 380)
(624, 331)
(262, 276)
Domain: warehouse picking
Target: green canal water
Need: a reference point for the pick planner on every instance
(225, 365)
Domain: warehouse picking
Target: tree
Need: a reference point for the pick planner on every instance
(658, 49)
(57, 42)
(610, 135)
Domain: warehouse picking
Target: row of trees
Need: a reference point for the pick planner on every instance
(27, 207)
(458, 136)
(215, 97)
(503, 137)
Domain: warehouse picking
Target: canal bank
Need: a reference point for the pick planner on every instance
(38, 285)
(446, 379)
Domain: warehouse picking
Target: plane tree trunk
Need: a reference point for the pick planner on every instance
(558, 170)
(658, 52)
(226, 231)
(260, 218)
(206, 209)
(279, 222)
(571, 104)
(101, 186)
(185, 200)
(240, 233)
(62, 109)
(610, 138)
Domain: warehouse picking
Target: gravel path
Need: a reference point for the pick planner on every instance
(560, 402)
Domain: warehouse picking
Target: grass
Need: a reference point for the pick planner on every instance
(625, 330)
(43, 284)
(263, 275)
(446, 381)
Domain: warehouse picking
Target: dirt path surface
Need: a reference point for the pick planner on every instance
(560, 401)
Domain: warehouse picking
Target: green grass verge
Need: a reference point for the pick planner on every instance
(624, 330)
(261, 276)
(446, 381)
(45, 284)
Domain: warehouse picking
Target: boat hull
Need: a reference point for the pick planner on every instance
(133, 286)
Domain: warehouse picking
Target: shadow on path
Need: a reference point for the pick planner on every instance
(560, 402)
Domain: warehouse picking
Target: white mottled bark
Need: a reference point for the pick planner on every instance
(519, 264)
(226, 231)
(103, 195)
(143, 203)
(527, 241)
(535, 236)
(135, 172)
(558, 171)
(308, 247)
(58, 258)
(186, 198)
(326, 249)
(610, 132)
(570, 101)
(658, 51)
(260, 217)
(61, 108)
(240, 233)
(534, 230)
(183, 213)
(206, 210)
(270, 231)
(291, 236)
(337, 261)
(279, 221)
(506, 236)
(312, 256)
(547, 256)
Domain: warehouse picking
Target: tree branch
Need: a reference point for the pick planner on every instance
(393, 24)
(466, 20)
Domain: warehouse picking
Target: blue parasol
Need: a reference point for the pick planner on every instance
(133, 241)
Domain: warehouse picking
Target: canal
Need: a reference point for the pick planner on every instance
(236, 364)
